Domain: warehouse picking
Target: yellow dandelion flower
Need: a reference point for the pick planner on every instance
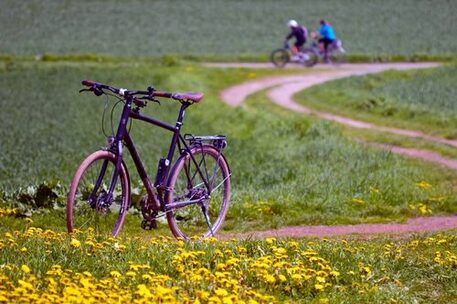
(221, 292)
(358, 201)
(320, 279)
(25, 268)
(143, 291)
(423, 185)
(270, 279)
(334, 273)
(24, 249)
(270, 240)
(318, 286)
(115, 274)
(130, 274)
(75, 243)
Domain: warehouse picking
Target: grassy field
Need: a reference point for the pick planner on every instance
(287, 169)
(45, 265)
(378, 29)
(291, 171)
(420, 100)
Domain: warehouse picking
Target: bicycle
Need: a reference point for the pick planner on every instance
(336, 52)
(193, 194)
(311, 55)
(306, 56)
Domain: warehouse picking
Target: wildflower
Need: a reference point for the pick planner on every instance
(270, 240)
(270, 279)
(221, 292)
(318, 286)
(358, 201)
(320, 279)
(143, 291)
(75, 243)
(115, 274)
(282, 278)
(25, 268)
(423, 185)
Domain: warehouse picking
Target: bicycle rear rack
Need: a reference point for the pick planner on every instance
(218, 141)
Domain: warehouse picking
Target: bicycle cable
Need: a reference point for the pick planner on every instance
(111, 114)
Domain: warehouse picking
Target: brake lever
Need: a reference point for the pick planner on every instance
(149, 98)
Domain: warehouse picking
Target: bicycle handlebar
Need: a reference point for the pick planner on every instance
(98, 88)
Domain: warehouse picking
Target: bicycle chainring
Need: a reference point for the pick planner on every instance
(149, 214)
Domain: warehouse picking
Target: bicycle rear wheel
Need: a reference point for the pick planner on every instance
(280, 57)
(337, 56)
(88, 205)
(206, 182)
(311, 57)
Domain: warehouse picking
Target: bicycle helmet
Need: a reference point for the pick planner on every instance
(292, 23)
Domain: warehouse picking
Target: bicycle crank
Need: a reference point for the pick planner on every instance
(149, 215)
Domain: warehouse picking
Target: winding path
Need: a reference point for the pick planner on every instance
(281, 90)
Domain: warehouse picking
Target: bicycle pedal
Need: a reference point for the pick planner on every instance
(149, 225)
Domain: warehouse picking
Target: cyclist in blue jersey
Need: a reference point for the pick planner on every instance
(327, 37)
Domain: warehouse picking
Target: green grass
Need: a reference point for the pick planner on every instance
(287, 169)
(41, 264)
(422, 99)
(379, 30)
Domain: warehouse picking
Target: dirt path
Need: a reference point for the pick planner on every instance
(281, 90)
(415, 225)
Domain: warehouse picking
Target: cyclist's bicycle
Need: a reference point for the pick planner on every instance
(193, 193)
(336, 52)
(306, 56)
(310, 56)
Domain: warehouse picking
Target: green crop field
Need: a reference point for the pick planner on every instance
(306, 165)
(222, 28)
(421, 100)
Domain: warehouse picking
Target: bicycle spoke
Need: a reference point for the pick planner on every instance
(205, 211)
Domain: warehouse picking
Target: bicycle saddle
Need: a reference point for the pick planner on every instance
(189, 96)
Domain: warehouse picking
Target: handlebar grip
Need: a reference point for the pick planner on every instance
(88, 83)
(163, 94)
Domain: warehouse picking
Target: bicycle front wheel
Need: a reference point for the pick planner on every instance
(280, 57)
(200, 194)
(88, 202)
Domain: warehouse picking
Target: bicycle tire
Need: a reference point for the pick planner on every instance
(312, 57)
(337, 56)
(280, 57)
(187, 184)
(80, 214)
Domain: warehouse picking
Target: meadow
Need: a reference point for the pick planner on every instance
(409, 99)
(223, 29)
(43, 266)
(288, 169)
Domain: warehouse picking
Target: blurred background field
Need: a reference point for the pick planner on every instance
(377, 29)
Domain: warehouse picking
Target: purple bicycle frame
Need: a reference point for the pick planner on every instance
(123, 135)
